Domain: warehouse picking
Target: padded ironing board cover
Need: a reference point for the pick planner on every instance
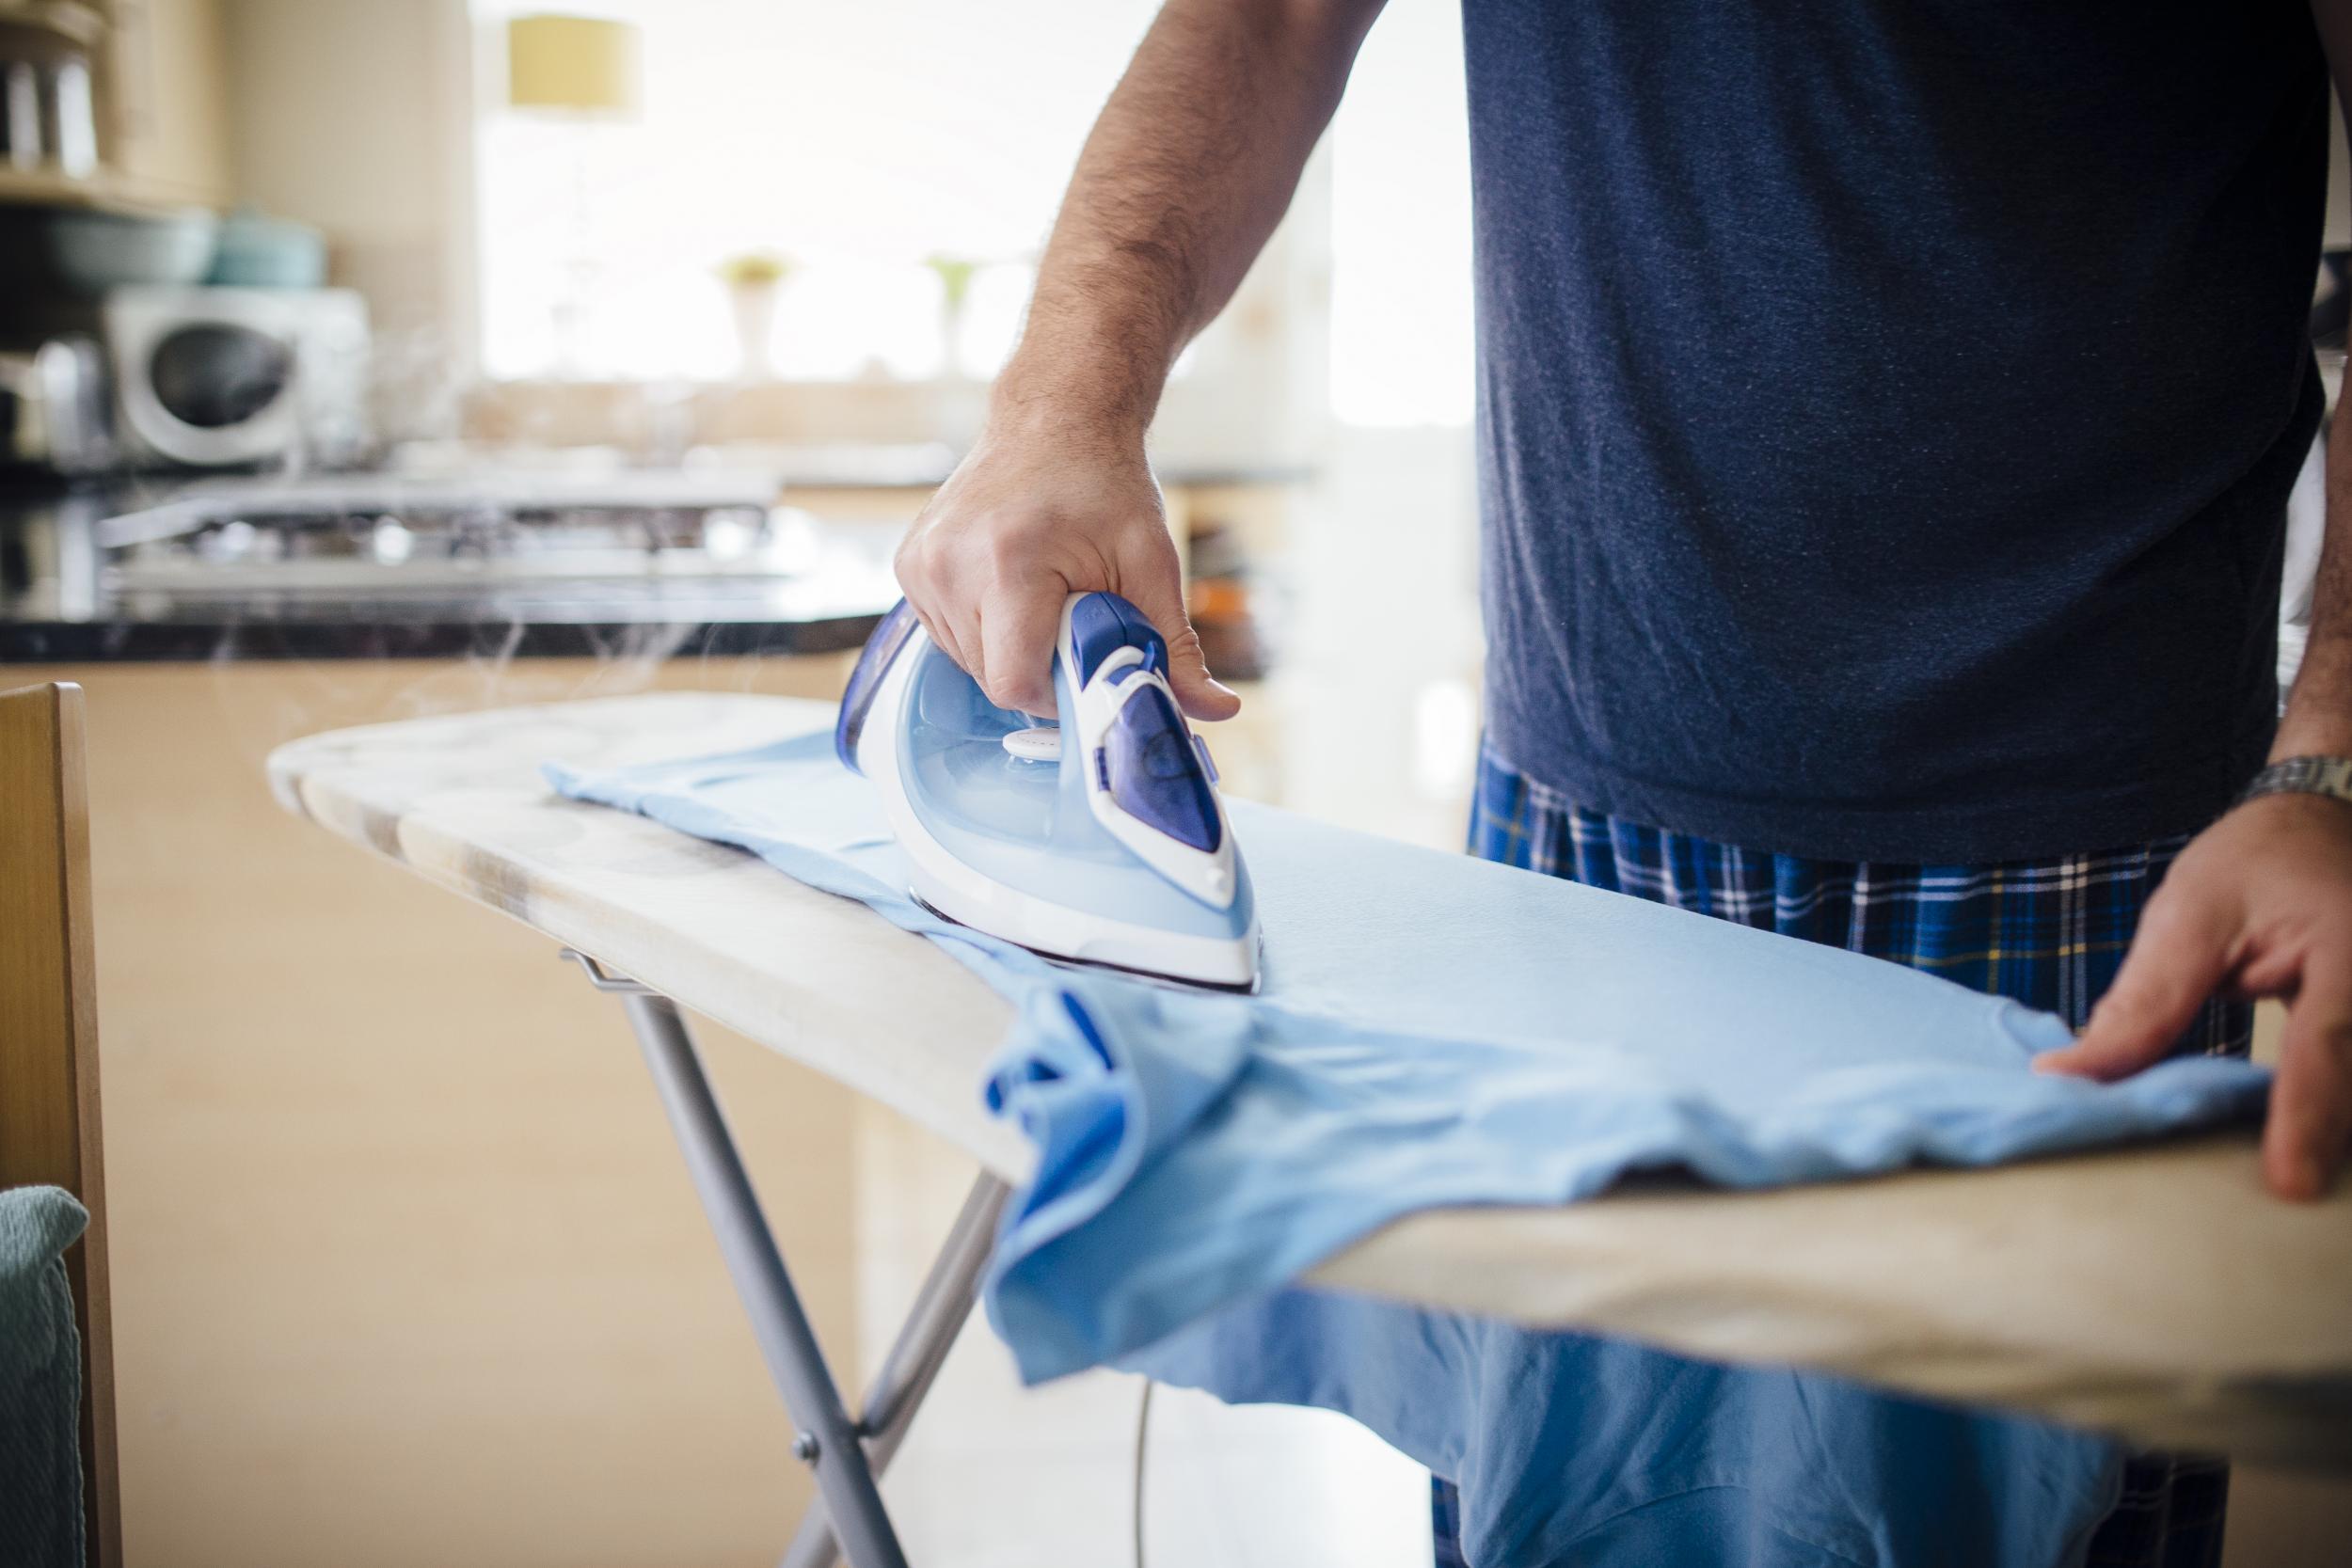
(1436, 1031)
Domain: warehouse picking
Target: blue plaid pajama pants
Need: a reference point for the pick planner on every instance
(2049, 933)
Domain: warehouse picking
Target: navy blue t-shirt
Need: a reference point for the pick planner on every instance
(1887, 408)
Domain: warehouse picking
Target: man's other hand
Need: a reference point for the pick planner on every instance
(1030, 518)
(2260, 904)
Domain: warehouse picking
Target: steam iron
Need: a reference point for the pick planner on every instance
(1097, 837)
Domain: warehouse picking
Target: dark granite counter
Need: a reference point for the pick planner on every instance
(201, 634)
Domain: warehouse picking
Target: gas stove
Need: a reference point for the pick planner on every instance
(390, 537)
(482, 561)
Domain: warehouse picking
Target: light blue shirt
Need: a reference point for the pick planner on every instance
(1437, 1031)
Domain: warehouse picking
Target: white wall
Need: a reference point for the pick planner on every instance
(354, 115)
(1384, 646)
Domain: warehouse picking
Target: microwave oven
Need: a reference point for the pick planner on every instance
(235, 378)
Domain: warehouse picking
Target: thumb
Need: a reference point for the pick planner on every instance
(2178, 958)
(1158, 593)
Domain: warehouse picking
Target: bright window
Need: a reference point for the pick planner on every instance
(1401, 334)
(860, 139)
(857, 139)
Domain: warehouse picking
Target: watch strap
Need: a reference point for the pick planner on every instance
(2328, 776)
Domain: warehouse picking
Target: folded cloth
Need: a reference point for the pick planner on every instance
(41, 1381)
(1431, 1031)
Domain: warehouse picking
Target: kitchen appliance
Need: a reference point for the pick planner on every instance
(512, 543)
(220, 378)
(1098, 838)
(52, 409)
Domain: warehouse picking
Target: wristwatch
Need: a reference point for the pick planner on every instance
(2328, 776)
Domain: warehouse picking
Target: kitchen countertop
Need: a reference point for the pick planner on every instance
(654, 627)
(58, 606)
(60, 603)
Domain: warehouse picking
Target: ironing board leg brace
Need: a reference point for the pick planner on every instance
(846, 1455)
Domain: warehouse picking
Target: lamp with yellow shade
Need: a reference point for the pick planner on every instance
(573, 65)
(584, 71)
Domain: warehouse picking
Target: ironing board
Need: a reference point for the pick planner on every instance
(2155, 1292)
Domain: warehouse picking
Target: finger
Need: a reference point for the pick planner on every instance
(934, 628)
(2181, 953)
(914, 581)
(2310, 1104)
(1017, 632)
(1154, 588)
(939, 620)
(922, 619)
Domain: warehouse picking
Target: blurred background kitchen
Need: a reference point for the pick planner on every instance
(363, 358)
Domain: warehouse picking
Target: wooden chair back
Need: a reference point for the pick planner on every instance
(49, 1126)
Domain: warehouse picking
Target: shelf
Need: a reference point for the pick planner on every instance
(67, 19)
(48, 188)
(103, 190)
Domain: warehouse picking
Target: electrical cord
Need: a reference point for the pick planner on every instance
(1143, 1433)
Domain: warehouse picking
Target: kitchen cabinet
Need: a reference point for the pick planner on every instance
(165, 109)
(160, 81)
(406, 1269)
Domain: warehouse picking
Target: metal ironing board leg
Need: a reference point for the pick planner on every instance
(941, 1306)
(829, 1441)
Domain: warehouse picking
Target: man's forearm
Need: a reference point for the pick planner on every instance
(1187, 171)
(2318, 718)
(2318, 721)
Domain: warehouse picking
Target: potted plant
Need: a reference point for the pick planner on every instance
(955, 288)
(754, 280)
